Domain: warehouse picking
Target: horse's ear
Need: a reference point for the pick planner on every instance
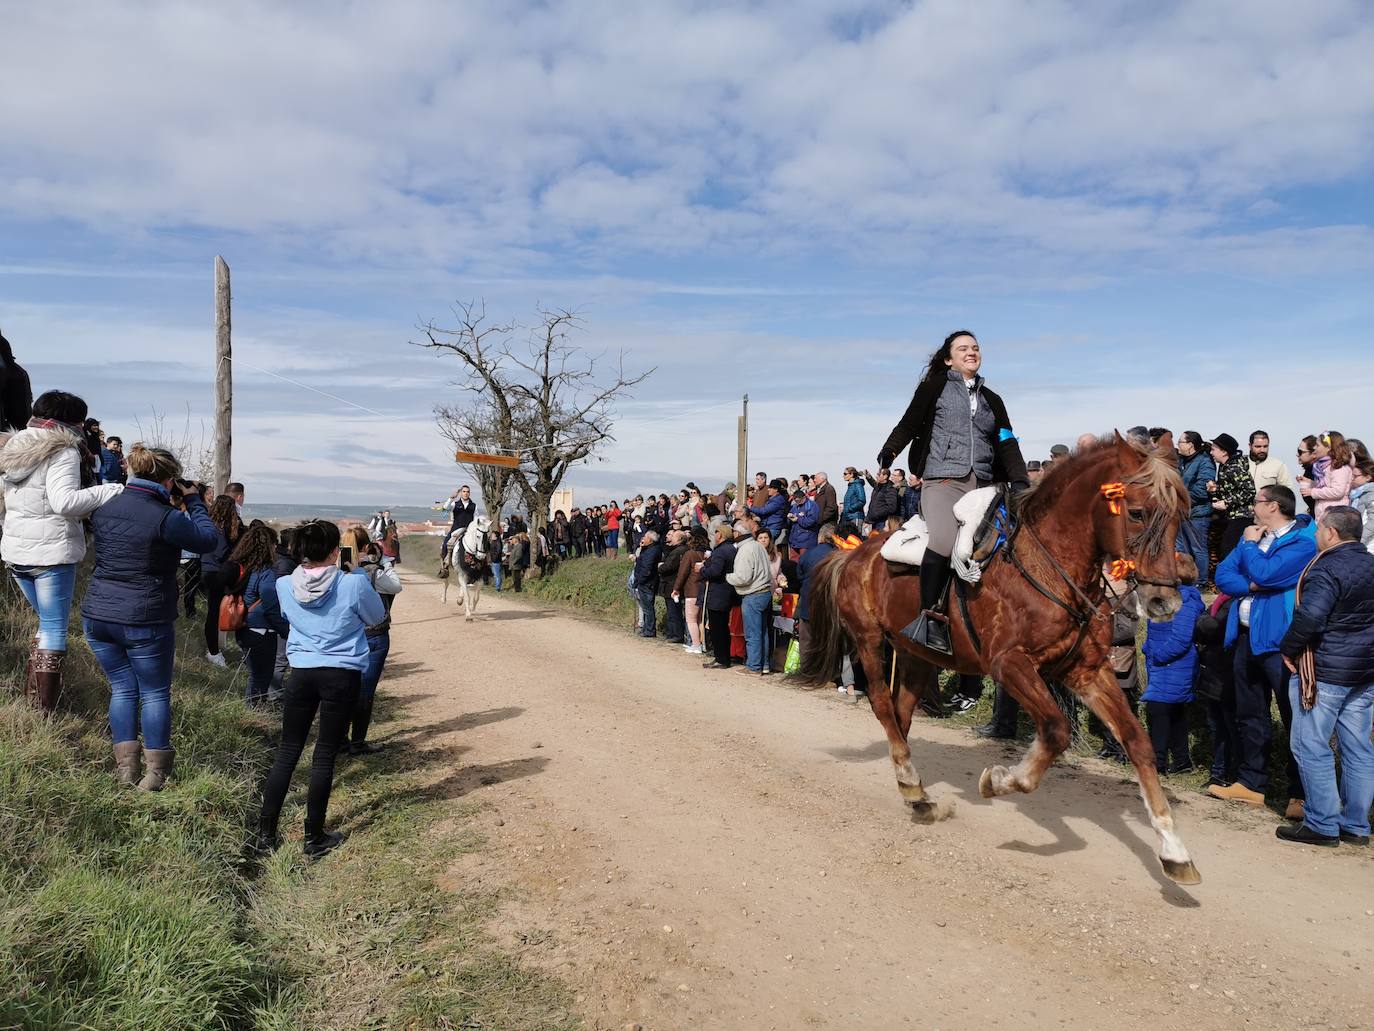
(1124, 451)
(1164, 447)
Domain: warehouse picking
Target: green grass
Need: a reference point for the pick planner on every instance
(120, 909)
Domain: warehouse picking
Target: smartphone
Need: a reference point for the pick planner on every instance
(345, 555)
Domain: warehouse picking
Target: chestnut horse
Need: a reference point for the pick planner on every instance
(1041, 610)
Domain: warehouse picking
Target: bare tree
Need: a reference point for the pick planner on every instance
(471, 428)
(196, 455)
(549, 401)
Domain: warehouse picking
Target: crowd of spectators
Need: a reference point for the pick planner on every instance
(307, 610)
(729, 573)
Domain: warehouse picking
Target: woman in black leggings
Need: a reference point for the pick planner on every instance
(217, 574)
(329, 607)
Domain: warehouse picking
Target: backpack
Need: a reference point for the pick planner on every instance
(233, 612)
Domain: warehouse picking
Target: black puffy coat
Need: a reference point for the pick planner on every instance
(720, 596)
(1336, 616)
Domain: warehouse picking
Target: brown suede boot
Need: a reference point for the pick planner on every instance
(128, 762)
(159, 766)
(47, 678)
(31, 673)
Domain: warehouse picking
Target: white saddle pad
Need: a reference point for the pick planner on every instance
(908, 544)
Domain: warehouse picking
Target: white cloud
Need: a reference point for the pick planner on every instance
(434, 129)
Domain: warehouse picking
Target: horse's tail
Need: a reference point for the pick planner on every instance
(827, 641)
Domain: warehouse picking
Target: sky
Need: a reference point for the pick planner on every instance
(1157, 213)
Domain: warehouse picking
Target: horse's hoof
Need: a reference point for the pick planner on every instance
(467, 619)
(924, 812)
(985, 785)
(912, 794)
(1181, 873)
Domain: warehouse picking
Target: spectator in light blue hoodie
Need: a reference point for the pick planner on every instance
(329, 609)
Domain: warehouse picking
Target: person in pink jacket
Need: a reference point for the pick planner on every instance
(1333, 488)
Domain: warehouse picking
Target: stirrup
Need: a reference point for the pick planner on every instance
(931, 630)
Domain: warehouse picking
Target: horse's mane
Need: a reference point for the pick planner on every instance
(1167, 498)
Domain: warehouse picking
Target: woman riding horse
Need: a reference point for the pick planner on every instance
(961, 439)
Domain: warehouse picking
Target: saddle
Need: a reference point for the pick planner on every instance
(983, 525)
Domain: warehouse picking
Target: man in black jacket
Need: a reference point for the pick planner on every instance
(884, 501)
(577, 526)
(646, 582)
(1334, 618)
(720, 599)
(674, 622)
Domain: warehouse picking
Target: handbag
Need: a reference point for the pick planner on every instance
(233, 613)
(1307, 661)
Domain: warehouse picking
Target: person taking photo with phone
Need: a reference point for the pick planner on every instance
(329, 606)
(130, 609)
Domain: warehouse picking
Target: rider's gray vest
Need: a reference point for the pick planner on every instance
(960, 440)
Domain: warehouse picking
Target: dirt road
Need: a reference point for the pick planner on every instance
(695, 849)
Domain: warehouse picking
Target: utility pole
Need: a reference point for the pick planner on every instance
(224, 379)
(743, 455)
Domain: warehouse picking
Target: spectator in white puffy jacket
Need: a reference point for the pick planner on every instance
(49, 487)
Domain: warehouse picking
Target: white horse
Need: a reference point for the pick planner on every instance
(472, 564)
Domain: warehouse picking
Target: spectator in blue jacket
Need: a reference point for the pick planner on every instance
(329, 611)
(112, 461)
(130, 608)
(855, 498)
(646, 582)
(1171, 670)
(1260, 574)
(1336, 620)
(804, 518)
(256, 555)
(772, 514)
(1196, 467)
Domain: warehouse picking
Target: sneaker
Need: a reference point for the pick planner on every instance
(216, 660)
(1305, 835)
(1295, 810)
(961, 704)
(1354, 839)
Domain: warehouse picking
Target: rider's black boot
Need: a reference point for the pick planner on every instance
(926, 629)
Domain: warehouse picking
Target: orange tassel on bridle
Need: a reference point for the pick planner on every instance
(1121, 568)
(1115, 493)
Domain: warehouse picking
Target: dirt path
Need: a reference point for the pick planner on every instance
(702, 850)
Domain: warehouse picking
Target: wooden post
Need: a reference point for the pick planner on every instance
(224, 380)
(741, 483)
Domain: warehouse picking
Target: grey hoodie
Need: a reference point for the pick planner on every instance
(312, 586)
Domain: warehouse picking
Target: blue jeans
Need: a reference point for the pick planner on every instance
(1349, 712)
(648, 617)
(496, 575)
(49, 591)
(138, 662)
(757, 608)
(377, 648)
(612, 539)
(1192, 540)
(261, 651)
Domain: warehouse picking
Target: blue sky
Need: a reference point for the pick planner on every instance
(1155, 213)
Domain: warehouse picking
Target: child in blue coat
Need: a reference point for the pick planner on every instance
(1171, 668)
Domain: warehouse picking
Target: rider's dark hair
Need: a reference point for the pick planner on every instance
(937, 367)
(1192, 437)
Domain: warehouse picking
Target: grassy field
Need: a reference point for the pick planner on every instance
(120, 909)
